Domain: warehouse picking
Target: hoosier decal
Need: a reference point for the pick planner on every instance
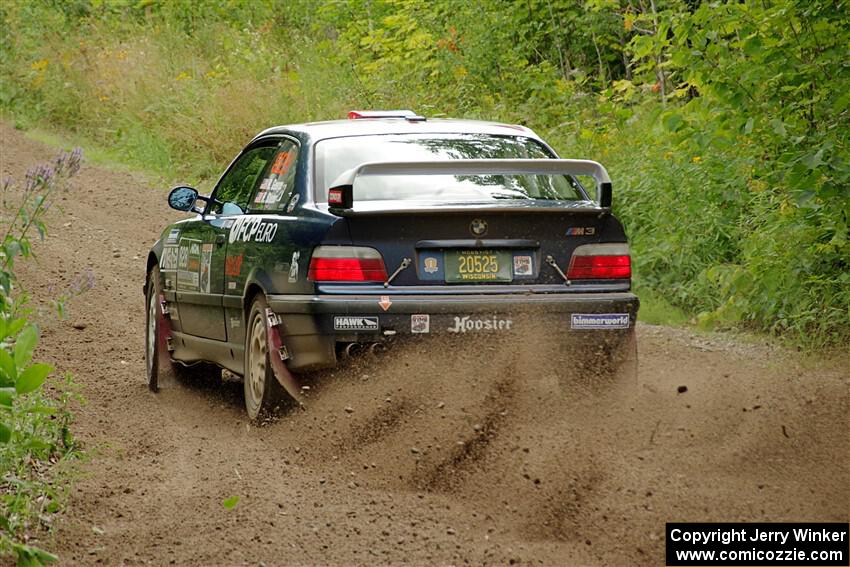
(467, 324)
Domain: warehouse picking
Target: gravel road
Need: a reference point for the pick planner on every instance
(427, 456)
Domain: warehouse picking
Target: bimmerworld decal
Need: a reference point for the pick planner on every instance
(599, 321)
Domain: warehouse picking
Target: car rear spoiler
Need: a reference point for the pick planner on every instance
(341, 191)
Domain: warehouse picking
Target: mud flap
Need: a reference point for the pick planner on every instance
(277, 355)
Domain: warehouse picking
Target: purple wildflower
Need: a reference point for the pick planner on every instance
(75, 160)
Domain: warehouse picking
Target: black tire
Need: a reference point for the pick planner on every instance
(159, 367)
(153, 344)
(263, 393)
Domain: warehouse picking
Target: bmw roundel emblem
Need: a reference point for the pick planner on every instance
(478, 227)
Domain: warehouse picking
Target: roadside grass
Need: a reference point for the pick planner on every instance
(96, 154)
(655, 310)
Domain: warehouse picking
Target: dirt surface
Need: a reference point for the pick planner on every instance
(426, 457)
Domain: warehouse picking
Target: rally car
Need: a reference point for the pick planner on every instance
(329, 238)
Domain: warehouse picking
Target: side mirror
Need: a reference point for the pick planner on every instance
(183, 198)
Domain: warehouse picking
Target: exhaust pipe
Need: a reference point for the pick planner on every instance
(353, 349)
(377, 348)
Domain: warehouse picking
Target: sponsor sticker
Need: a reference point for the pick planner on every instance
(420, 324)
(189, 264)
(293, 267)
(168, 262)
(250, 228)
(282, 163)
(356, 323)
(235, 322)
(523, 266)
(173, 235)
(233, 266)
(468, 324)
(431, 265)
(599, 321)
(292, 202)
(206, 260)
(231, 285)
(385, 302)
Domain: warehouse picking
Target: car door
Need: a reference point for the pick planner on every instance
(258, 242)
(202, 248)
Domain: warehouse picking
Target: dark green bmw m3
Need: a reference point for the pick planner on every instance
(326, 239)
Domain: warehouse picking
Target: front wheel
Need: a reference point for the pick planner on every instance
(263, 393)
(155, 348)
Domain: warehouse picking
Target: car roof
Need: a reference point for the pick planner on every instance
(366, 126)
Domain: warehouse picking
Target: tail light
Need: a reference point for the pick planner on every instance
(346, 264)
(600, 262)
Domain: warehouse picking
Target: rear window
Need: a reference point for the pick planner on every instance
(336, 155)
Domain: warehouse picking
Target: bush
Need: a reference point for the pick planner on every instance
(34, 426)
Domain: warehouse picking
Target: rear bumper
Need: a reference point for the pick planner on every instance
(369, 316)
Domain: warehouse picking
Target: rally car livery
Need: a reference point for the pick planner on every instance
(329, 238)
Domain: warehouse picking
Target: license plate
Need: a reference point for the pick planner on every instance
(465, 266)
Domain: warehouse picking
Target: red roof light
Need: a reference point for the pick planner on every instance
(408, 114)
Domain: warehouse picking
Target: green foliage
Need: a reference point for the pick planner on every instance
(723, 123)
(772, 104)
(34, 425)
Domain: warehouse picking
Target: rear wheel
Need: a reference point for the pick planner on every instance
(263, 393)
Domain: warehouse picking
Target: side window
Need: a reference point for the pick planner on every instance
(236, 187)
(276, 188)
